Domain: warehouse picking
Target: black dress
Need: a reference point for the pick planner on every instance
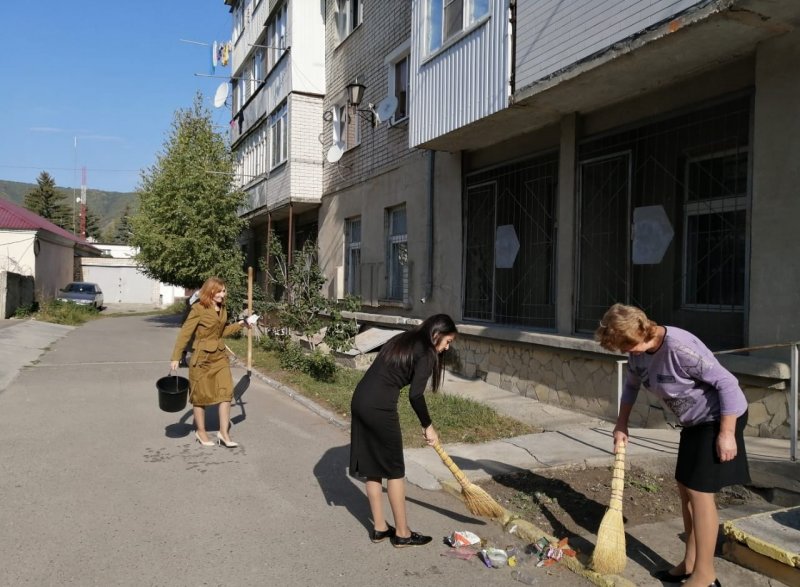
(376, 443)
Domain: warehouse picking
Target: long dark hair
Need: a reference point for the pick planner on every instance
(399, 351)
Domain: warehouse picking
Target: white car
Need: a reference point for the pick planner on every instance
(83, 293)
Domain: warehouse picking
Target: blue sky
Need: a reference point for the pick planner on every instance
(109, 73)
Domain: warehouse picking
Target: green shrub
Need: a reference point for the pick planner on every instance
(25, 311)
(320, 366)
(66, 313)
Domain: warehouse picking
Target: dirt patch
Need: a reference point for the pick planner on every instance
(572, 501)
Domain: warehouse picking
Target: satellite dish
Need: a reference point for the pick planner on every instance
(385, 109)
(335, 153)
(221, 95)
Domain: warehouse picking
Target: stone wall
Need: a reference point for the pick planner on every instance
(587, 382)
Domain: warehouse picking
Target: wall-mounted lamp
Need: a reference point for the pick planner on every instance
(355, 93)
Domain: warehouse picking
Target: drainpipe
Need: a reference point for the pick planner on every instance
(431, 190)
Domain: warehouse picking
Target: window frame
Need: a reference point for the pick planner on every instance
(399, 242)
(341, 126)
(352, 249)
(695, 207)
(399, 55)
(279, 147)
(346, 12)
(444, 38)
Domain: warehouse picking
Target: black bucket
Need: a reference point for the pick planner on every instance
(173, 390)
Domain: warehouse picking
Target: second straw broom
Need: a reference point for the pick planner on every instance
(609, 555)
(476, 499)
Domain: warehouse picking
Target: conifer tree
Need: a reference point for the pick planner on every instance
(46, 201)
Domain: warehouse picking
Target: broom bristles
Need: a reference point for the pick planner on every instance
(609, 555)
(478, 502)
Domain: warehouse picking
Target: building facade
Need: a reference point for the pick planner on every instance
(277, 88)
(615, 152)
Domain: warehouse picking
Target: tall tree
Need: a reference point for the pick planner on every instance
(46, 201)
(187, 227)
(122, 228)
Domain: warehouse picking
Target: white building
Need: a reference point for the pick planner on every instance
(278, 83)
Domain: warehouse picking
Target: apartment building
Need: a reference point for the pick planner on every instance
(613, 151)
(277, 87)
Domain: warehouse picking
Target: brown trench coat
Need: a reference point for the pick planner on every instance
(210, 380)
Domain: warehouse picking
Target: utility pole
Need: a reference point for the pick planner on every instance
(83, 203)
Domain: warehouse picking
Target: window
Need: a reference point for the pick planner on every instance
(276, 37)
(399, 89)
(258, 68)
(346, 127)
(396, 253)
(237, 99)
(352, 258)
(349, 14)
(510, 243)
(447, 18)
(238, 20)
(279, 131)
(714, 227)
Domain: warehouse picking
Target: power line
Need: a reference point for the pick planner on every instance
(46, 167)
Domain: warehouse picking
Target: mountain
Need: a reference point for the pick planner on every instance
(107, 206)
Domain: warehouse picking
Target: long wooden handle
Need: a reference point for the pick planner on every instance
(448, 462)
(618, 478)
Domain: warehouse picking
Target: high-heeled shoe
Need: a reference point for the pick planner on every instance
(226, 443)
(203, 442)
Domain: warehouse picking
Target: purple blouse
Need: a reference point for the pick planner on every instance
(687, 377)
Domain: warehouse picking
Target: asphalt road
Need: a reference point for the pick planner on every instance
(99, 487)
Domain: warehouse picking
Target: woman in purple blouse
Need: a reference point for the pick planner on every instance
(711, 408)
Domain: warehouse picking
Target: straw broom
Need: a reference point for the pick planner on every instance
(609, 555)
(477, 500)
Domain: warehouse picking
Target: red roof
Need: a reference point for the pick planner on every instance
(13, 217)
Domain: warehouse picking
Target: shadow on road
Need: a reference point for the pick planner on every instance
(183, 427)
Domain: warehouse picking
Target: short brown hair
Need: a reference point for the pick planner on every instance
(211, 287)
(623, 327)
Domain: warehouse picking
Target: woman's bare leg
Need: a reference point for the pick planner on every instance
(375, 497)
(199, 413)
(705, 526)
(396, 488)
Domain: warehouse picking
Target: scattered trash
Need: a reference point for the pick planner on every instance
(461, 552)
(550, 553)
(497, 557)
(462, 538)
(523, 577)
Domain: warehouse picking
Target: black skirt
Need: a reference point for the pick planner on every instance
(699, 467)
(376, 443)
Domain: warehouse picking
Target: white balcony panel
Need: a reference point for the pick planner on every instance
(463, 82)
(552, 34)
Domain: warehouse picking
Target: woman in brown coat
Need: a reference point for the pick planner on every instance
(210, 381)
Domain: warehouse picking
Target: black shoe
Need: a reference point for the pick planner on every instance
(667, 577)
(413, 540)
(381, 535)
(716, 583)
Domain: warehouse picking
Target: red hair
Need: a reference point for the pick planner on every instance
(211, 287)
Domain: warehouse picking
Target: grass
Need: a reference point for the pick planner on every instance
(456, 419)
(65, 313)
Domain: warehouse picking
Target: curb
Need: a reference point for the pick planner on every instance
(323, 413)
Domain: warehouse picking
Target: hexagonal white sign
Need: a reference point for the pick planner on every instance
(506, 246)
(652, 234)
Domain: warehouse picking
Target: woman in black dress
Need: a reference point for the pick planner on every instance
(376, 443)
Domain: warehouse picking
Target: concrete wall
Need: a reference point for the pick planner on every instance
(55, 266)
(774, 267)
(575, 379)
(16, 291)
(407, 183)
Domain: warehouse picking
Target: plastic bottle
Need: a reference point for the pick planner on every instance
(523, 577)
